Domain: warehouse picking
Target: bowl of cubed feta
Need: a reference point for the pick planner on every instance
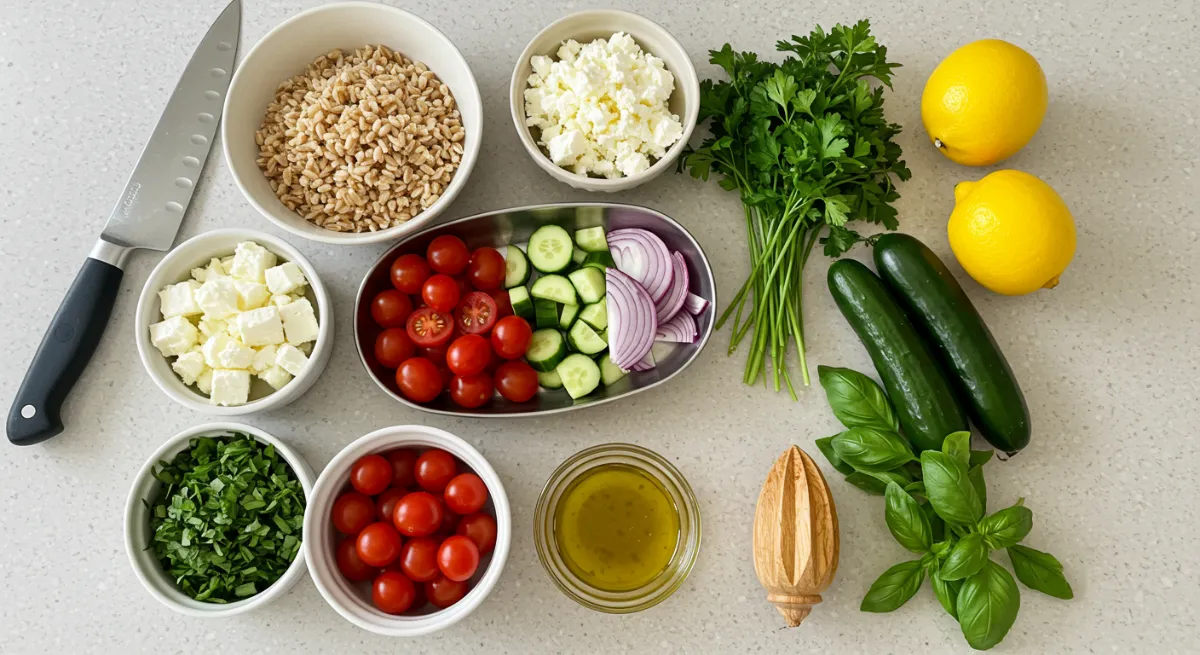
(604, 100)
(234, 321)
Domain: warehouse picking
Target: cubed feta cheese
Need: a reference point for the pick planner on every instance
(299, 321)
(306, 348)
(260, 327)
(179, 299)
(251, 261)
(264, 358)
(174, 336)
(217, 297)
(290, 359)
(229, 387)
(215, 269)
(251, 295)
(210, 326)
(200, 274)
(224, 351)
(276, 377)
(285, 278)
(204, 381)
(190, 366)
(281, 300)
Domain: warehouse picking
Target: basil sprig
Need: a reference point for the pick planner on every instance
(936, 507)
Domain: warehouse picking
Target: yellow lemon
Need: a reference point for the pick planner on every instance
(1011, 232)
(984, 102)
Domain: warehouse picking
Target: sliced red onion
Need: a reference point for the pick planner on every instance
(680, 329)
(644, 257)
(677, 293)
(645, 364)
(695, 305)
(631, 319)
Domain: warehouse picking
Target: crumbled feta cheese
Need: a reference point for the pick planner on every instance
(190, 366)
(299, 321)
(217, 297)
(251, 261)
(225, 351)
(229, 387)
(285, 278)
(174, 336)
(260, 327)
(264, 358)
(204, 381)
(276, 377)
(179, 299)
(290, 359)
(251, 295)
(600, 104)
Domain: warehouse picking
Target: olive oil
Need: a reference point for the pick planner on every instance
(616, 527)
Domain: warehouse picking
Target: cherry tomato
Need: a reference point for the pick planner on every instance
(516, 381)
(458, 557)
(352, 512)
(404, 463)
(409, 272)
(464, 287)
(385, 504)
(480, 528)
(437, 354)
(418, 559)
(418, 514)
(486, 269)
(476, 314)
(419, 380)
(468, 355)
(449, 522)
(350, 564)
(494, 363)
(371, 474)
(391, 309)
(511, 337)
(393, 346)
(393, 593)
(440, 292)
(435, 469)
(465, 493)
(443, 592)
(503, 303)
(471, 391)
(378, 544)
(447, 254)
(429, 328)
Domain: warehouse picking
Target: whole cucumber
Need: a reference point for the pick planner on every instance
(923, 398)
(945, 317)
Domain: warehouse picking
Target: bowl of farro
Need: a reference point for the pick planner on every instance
(351, 123)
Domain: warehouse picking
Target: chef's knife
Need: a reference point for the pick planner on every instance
(147, 215)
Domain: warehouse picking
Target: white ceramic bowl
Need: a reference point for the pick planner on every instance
(137, 526)
(177, 267)
(353, 600)
(586, 26)
(288, 49)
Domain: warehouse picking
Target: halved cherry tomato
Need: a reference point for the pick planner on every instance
(443, 592)
(370, 475)
(486, 269)
(393, 593)
(471, 391)
(429, 328)
(385, 504)
(468, 355)
(350, 564)
(458, 557)
(466, 493)
(447, 254)
(476, 314)
(419, 380)
(480, 528)
(418, 514)
(393, 346)
(511, 337)
(404, 463)
(435, 469)
(391, 308)
(352, 512)
(440, 292)
(409, 272)
(418, 559)
(503, 303)
(516, 381)
(378, 544)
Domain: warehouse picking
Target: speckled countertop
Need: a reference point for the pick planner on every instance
(1107, 360)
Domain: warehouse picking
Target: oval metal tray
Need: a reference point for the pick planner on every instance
(500, 228)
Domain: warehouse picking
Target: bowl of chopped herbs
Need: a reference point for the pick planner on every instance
(214, 520)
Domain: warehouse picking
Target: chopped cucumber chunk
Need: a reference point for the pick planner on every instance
(567, 316)
(592, 239)
(550, 380)
(516, 268)
(545, 313)
(546, 349)
(556, 288)
(585, 340)
(580, 375)
(609, 372)
(595, 314)
(522, 304)
(600, 260)
(589, 283)
(550, 249)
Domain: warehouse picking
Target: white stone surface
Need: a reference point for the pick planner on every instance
(1108, 359)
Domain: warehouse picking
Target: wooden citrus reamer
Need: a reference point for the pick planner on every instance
(795, 535)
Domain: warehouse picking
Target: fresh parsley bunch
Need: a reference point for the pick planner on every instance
(936, 506)
(806, 145)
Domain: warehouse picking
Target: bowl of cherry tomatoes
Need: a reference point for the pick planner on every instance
(407, 531)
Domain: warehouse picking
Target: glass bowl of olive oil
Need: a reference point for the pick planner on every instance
(617, 527)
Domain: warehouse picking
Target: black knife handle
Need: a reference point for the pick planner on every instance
(66, 348)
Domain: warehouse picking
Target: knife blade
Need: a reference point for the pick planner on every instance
(148, 214)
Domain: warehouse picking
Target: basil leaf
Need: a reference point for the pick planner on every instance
(867, 482)
(856, 400)
(946, 593)
(868, 449)
(894, 587)
(917, 487)
(942, 548)
(966, 558)
(1040, 571)
(825, 445)
(975, 475)
(958, 446)
(948, 489)
(1006, 527)
(906, 520)
(988, 603)
(980, 457)
(936, 525)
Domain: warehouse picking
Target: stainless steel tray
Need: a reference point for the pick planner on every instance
(500, 228)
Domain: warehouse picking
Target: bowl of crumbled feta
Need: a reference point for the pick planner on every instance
(604, 100)
(234, 321)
